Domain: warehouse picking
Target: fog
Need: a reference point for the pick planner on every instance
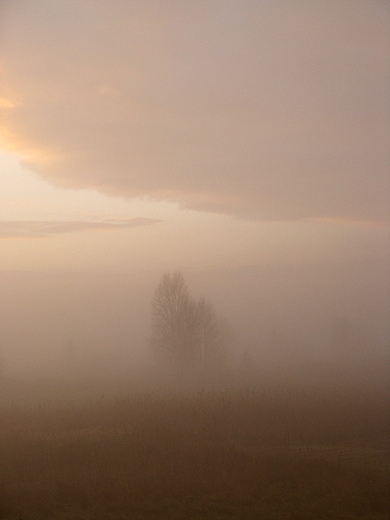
(194, 259)
(245, 143)
(278, 320)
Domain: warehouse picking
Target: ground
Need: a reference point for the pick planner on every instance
(227, 454)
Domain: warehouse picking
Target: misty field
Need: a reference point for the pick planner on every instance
(280, 453)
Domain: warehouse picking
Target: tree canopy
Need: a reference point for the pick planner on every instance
(184, 331)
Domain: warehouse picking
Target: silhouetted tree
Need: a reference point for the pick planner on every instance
(173, 319)
(208, 340)
(183, 330)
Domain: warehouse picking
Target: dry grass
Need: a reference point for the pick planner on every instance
(248, 454)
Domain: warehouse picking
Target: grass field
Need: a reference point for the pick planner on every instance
(285, 453)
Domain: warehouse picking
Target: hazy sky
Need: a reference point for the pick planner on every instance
(139, 136)
(149, 134)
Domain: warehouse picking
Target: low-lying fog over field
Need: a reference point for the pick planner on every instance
(194, 259)
(290, 420)
(273, 317)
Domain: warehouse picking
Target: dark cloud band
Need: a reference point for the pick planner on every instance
(239, 107)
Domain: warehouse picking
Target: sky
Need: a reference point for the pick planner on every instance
(181, 134)
(146, 136)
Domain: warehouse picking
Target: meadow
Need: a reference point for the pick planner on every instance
(283, 452)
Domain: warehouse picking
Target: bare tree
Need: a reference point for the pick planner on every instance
(208, 341)
(183, 330)
(173, 319)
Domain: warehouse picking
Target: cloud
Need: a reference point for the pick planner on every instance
(264, 110)
(34, 229)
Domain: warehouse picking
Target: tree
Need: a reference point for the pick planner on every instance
(209, 340)
(173, 319)
(183, 330)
